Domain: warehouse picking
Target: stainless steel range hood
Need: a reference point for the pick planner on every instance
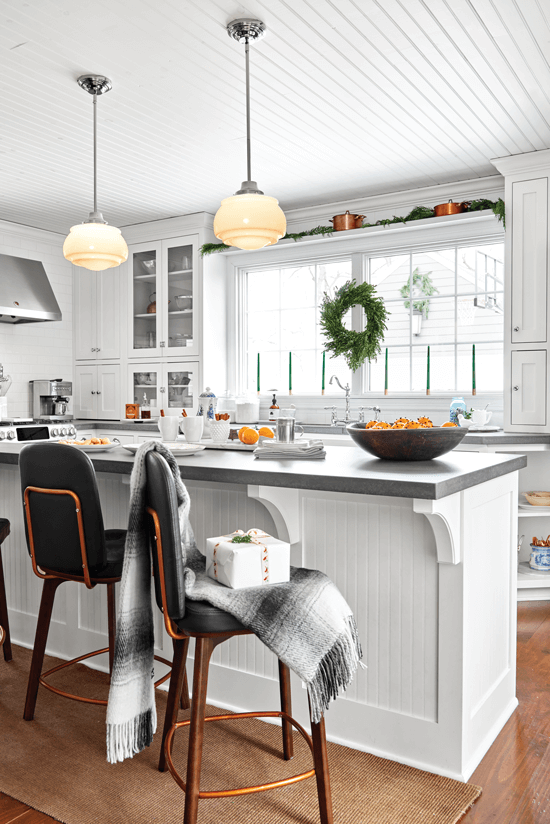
(25, 292)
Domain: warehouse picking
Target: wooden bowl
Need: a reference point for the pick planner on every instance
(406, 444)
(538, 498)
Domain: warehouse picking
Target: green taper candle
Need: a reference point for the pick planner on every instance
(386, 374)
(290, 373)
(428, 374)
(473, 369)
(323, 376)
(258, 375)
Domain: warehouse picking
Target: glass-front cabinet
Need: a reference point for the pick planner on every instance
(163, 298)
(171, 386)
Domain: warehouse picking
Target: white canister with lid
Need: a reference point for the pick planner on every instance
(248, 409)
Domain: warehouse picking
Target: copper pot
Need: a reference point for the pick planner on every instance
(450, 208)
(359, 221)
(347, 221)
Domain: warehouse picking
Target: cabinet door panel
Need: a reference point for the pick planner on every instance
(108, 309)
(85, 338)
(529, 260)
(179, 386)
(108, 392)
(529, 387)
(85, 388)
(180, 298)
(144, 264)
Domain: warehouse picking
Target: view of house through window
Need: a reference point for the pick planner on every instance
(447, 299)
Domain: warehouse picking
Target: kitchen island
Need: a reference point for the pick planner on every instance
(423, 552)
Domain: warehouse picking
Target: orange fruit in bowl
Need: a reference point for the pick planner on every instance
(249, 436)
(266, 432)
(448, 423)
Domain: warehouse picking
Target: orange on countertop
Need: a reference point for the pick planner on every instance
(266, 432)
(249, 436)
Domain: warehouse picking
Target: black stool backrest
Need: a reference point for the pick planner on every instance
(54, 520)
(162, 499)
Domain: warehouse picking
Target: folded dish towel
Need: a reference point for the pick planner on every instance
(299, 450)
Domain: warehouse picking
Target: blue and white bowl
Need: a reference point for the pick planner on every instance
(540, 558)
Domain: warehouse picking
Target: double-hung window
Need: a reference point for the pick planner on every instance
(449, 299)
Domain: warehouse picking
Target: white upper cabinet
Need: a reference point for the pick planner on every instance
(529, 250)
(527, 293)
(97, 314)
(163, 298)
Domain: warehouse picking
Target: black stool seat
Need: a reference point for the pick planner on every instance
(200, 616)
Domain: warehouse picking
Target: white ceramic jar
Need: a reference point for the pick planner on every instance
(248, 409)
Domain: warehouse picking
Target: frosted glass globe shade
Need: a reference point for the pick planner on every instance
(249, 221)
(95, 246)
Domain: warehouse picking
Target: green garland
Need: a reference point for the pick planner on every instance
(356, 347)
(418, 213)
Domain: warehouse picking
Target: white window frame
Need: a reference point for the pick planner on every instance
(426, 235)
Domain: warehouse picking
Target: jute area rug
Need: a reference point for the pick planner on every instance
(56, 764)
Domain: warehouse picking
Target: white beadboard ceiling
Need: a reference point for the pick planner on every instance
(350, 98)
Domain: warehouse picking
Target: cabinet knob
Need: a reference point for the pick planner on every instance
(516, 388)
(93, 350)
(162, 389)
(93, 392)
(98, 393)
(516, 328)
(163, 343)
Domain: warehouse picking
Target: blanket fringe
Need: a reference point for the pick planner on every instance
(335, 671)
(127, 739)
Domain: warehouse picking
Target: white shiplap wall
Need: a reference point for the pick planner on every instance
(30, 351)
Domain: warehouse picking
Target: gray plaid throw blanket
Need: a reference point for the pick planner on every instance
(306, 623)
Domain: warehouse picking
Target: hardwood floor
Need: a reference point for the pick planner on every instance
(515, 773)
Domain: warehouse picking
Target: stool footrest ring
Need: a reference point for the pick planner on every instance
(81, 698)
(240, 790)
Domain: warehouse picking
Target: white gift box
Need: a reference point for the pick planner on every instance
(265, 560)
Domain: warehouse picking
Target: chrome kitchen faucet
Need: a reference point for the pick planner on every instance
(334, 420)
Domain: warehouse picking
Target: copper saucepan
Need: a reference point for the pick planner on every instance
(450, 208)
(347, 221)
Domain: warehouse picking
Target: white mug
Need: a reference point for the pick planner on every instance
(169, 428)
(480, 417)
(288, 413)
(192, 428)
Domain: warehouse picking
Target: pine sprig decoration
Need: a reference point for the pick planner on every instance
(356, 347)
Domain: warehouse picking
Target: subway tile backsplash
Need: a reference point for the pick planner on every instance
(44, 350)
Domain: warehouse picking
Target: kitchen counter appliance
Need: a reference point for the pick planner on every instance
(50, 399)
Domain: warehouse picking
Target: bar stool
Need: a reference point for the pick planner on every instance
(209, 626)
(4, 620)
(67, 541)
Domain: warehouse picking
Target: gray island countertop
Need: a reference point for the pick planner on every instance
(344, 470)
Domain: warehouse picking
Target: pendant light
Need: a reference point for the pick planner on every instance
(94, 244)
(249, 219)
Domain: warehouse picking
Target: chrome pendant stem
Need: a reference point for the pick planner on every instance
(248, 153)
(95, 152)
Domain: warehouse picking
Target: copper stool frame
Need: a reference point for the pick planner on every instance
(206, 642)
(53, 579)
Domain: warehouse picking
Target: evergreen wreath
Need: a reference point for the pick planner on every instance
(356, 347)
